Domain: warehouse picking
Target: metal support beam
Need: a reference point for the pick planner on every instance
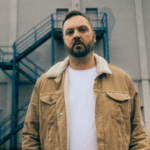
(16, 106)
(104, 46)
(52, 42)
(12, 38)
(107, 40)
(13, 98)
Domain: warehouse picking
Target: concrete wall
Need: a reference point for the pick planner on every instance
(4, 29)
(3, 97)
(4, 23)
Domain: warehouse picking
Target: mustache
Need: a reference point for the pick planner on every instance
(78, 42)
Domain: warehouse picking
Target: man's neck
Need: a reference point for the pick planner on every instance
(82, 63)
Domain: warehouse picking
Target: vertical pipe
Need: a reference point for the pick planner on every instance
(16, 105)
(97, 18)
(13, 97)
(52, 42)
(12, 37)
(107, 40)
(104, 46)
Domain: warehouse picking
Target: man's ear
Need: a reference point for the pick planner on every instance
(94, 37)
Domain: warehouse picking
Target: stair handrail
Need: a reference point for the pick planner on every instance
(33, 35)
(9, 117)
(29, 68)
(3, 54)
(33, 28)
(102, 20)
(34, 32)
(29, 60)
(5, 121)
(36, 67)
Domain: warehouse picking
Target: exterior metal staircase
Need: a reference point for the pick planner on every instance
(19, 63)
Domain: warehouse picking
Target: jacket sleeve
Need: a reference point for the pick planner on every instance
(139, 138)
(30, 134)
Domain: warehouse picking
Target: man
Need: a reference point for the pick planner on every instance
(82, 103)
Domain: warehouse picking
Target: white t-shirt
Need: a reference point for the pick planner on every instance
(82, 132)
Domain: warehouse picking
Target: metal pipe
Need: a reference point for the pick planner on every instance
(107, 40)
(52, 42)
(13, 96)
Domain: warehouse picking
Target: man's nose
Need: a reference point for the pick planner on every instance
(77, 35)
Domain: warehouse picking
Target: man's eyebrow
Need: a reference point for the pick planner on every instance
(82, 26)
(69, 29)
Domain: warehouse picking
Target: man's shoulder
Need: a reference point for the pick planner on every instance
(120, 77)
(43, 76)
(119, 73)
(43, 79)
(117, 70)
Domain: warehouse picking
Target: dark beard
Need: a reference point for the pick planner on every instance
(87, 49)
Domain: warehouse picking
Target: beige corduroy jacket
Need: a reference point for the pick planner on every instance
(117, 111)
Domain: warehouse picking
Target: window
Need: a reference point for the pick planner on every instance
(93, 14)
(60, 15)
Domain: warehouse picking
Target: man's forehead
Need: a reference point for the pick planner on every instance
(76, 21)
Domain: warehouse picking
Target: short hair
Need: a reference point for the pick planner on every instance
(76, 13)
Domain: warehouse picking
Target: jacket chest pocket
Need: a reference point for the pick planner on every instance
(48, 121)
(48, 107)
(119, 104)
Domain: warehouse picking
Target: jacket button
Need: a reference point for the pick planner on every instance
(51, 100)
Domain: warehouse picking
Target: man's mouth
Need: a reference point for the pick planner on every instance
(78, 44)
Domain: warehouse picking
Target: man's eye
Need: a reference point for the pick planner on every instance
(69, 32)
(83, 29)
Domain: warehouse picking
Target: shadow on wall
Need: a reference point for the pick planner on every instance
(34, 56)
(111, 19)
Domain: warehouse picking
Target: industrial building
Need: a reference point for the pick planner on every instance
(31, 42)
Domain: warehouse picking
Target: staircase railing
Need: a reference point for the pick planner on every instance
(5, 56)
(34, 71)
(42, 31)
(33, 35)
(5, 125)
(32, 67)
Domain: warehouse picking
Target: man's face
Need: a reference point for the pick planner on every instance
(78, 36)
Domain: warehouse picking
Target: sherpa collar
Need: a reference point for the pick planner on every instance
(59, 68)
